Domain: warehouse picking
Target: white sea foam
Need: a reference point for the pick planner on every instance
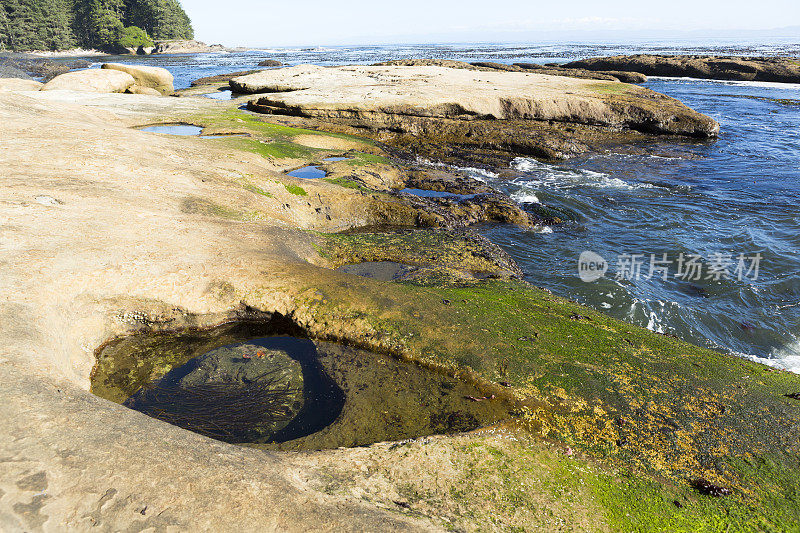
(525, 196)
(784, 358)
(479, 174)
(544, 175)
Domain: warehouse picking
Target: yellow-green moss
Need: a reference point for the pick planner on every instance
(295, 189)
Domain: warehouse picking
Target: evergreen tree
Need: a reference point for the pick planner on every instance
(161, 19)
(4, 44)
(60, 24)
(36, 24)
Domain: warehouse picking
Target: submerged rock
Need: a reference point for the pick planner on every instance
(156, 78)
(93, 81)
(773, 69)
(245, 393)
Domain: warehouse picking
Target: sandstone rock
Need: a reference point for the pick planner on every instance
(156, 78)
(149, 91)
(93, 80)
(186, 47)
(772, 69)
(393, 97)
(270, 63)
(16, 84)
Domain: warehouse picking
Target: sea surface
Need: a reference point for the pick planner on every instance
(720, 220)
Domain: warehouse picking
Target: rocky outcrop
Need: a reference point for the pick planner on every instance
(468, 115)
(12, 72)
(612, 75)
(398, 98)
(16, 84)
(551, 69)
(772, 69)
(186, 47)
(93, 80)
(156, 78)
(541, 69)
(25, 66)
(270, 63)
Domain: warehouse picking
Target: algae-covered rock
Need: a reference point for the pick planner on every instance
(92, 80)
(244, 393)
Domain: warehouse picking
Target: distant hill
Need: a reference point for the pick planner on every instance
(109, 25)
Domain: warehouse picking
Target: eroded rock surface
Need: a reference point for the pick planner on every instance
(434, 109)
(156, 78)
(384, 95)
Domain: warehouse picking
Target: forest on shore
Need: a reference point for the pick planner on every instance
(108, 25)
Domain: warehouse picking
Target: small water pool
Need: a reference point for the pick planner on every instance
(309, 173)
(335, 159)
(437, 194)
(380, 270)
(187, 130)
(234, 384)
(220, 95)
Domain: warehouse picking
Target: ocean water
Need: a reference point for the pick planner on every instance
(716, 203)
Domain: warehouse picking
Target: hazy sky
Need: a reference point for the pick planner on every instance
(312, 22)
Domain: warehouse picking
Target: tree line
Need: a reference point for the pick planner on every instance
(102, 24)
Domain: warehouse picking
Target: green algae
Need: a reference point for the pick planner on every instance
(359, 159)
(618, 393)
(272, 149)
(257, 190)
(295, 189)
(234, 119)
(443, 252)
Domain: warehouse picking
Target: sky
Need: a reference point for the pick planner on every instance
(314, 22)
